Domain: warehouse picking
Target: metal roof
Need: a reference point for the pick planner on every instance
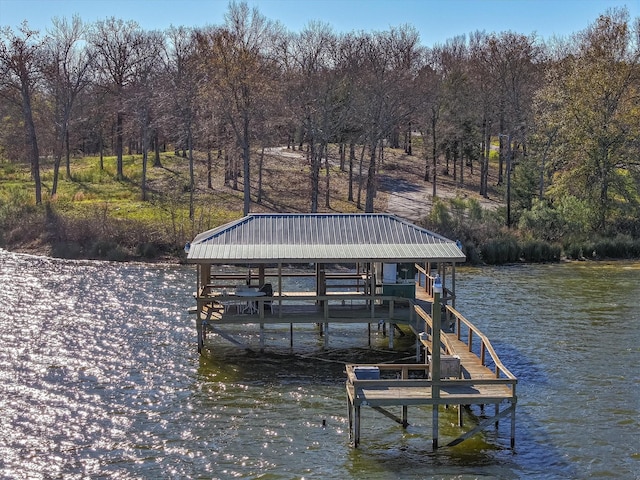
(329, 238)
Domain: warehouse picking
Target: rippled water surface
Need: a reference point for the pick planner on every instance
(100, 378)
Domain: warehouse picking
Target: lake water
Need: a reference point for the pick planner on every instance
(100, 378)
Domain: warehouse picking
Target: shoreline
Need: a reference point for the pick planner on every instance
(175, 261)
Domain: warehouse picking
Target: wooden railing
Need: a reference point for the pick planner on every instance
(473, 333)
(425, 281)
(327, 305)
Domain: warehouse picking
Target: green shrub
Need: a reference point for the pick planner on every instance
(148, 250)
(471, 251)
(69, 249)
(499, 251)
(621, 246)
(108, 250)
(537, 251)
(440, 216)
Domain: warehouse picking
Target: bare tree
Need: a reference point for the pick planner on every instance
(117, 46)
(66, 73)
(184, 80)
(240, 64)
(316, 96)
(141, 97)
(384, 98)
(430, 88)
(20, 60)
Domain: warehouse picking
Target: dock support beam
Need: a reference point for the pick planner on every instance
(435, 356)
(262, 337)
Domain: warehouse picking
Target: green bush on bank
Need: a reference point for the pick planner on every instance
(486, 240)
(537, 251)
(618, 247)
(499, 251)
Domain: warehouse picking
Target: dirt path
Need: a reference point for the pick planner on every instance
(413, 201)
(409, 196)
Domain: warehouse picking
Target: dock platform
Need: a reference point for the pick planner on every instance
(463, 378)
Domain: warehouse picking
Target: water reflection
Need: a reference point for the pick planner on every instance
(100, 378)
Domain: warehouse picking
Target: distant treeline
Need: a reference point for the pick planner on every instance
(562, 116)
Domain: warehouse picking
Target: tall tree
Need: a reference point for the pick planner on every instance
(597, 118)
(184, 80)
(66, 73)
(315, 96)
(241, 68)
(143, 88)
(20, 62)
(385, 97)
(118, 46)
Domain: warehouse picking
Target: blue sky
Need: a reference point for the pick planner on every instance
(435, 20)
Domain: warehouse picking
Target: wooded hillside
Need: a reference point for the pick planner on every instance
(561, 118)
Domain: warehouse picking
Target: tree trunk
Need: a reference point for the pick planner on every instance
(56, 172)
(260, 164)
(501, 152)
(56, 162)
(246, 156)
(371, 179)
(359, 202)
(32, 140)
(352, 157)
(67, 151)
(327, 202)
(156, 147)
(461, 162)
(145, 149)
(192, 182)
(209, 167)
(455, 161)
(119, 146)
(434, 156)
(101, 148)
(314, 174)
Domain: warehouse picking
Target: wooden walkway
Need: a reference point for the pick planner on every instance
(480, 379)
(469, 382)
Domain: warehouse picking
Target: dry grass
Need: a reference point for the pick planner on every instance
(286, 185)
(164, 217)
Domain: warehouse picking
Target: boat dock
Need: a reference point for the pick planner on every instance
(371, 269)
(454, 374)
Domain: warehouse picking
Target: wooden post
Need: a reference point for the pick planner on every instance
(405, 420)
(513, 425)
(356, 427)
(453, 284)
(262, 337)
(326, 335)
(199, 332)
(280, 293)
(205, 275)
(350, 415)
(435, 356)
(391, 324)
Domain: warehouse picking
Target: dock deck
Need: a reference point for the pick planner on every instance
(468, 380)
(480, 379)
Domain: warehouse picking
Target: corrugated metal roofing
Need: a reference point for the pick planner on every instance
(300, 238)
